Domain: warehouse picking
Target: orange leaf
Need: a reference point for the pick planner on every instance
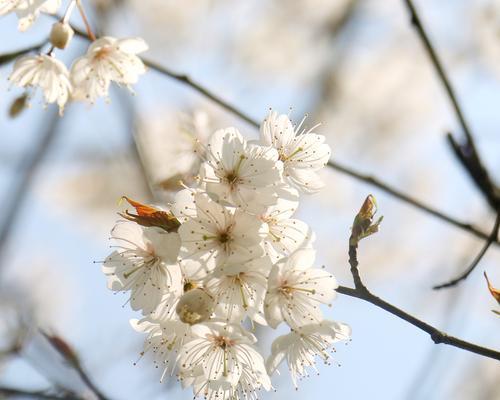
(494, 292)
(150, 216)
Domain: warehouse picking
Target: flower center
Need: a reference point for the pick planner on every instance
(102, 53)
(224, 237)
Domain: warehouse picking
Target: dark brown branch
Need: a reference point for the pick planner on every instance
(493, 236)
(408, 199)
(436, 335)
(9, 392)
(417, 24)
(332, 164)
(470, 161)
(8, 57)
(467, 153)
(360, 291)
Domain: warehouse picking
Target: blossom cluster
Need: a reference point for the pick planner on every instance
(107, 59)
(225, 255)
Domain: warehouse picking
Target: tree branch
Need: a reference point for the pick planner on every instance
(61, 346)
(28, 169)
(436, 335)
(467, 153)
(493, 236)
(9, 392)
(8, 57)
(363, 226)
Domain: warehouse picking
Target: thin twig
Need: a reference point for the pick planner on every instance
(28, 169)
(73, 361)
(436, 335)
(8, 57)
(90, 34)
(360, 291)
(467, 153)
(10, 392)
(477, 259)
(417, 23)
(332, 164)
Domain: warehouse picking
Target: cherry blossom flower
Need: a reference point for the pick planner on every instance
(286, 234)
(144, 264)
(46, 72)
(240, 289)
(107, 60)
(295, 291)
(216, 235)
(226, 355)
(302, 152)
(239, 173)
(28, 10)
(302, 345)
(227, 254)
(165, 338)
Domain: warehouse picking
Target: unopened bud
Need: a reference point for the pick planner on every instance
(195, 306)
(18, 105)
(61, 35)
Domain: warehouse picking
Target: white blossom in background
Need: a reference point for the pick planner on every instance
(242, 174)
(239, 258)
(295, 291)
(302, 152)
(302, 345)
(107, 60)
(172, 146)
(28, 10)
(45, 72)
(145, 263)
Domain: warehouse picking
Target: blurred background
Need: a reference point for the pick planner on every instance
(355, 66)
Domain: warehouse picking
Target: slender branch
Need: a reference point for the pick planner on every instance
(373, 181)
(493, 236)
(417, 23)
(8, 57)
(436, 335)
(40, 395)
(466, 153)
(71, 358)
(182, 78)
(28, 169)
(363, 226)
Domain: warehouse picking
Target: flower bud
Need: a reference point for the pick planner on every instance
(195, 306)
(18, 105)
(61, 35)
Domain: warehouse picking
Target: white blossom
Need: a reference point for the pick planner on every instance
(165, 338)
(239, 290)
(226, 355)
(295, 291)
(145, 263)
(45, 72)
(107, 60)
(216, 234)
(302, 152)
(28, 10)
(238, 173)
(302, 345)
(286, 234)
